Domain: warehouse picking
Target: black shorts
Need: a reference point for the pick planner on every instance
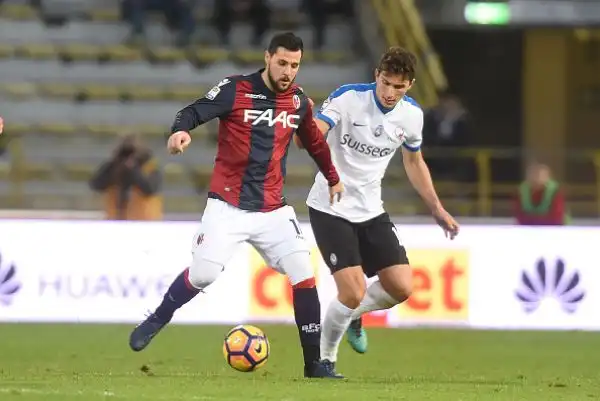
(372, 244)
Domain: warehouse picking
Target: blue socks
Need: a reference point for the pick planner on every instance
(179, 293)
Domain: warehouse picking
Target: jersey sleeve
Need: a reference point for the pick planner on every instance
(332, 109)
(315, 144)
(414, 132)
(217, 103)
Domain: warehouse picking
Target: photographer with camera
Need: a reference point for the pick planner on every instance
(130, 182)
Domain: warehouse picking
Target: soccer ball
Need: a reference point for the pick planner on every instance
(246, 348)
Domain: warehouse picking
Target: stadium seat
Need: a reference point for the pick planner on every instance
(13, 129)
(249, 56)
(185, 94)
(208, 55)
(80, 52)
(165, 54)
(7, 201)
(121, 53)
(402, 208)
(36, 172)
(183, 204)
(90, 202)
(394, 176)
(79, 172)
(58, 90)
(201, 176)
(19, 90)
(176, 173)
(318, 96)
(6, 50)
(87, 88)
(299, 206)
(4, 171)
(104, 14)
(105, 129)
(144, 93)
(205, 131)
(300, 175)
(101, 92)
(334, 57)
(152, 131)
(34, 51)
(48, 202)
(64, 130)
(17, 11)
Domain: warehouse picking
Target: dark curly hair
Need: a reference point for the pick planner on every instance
(288, 41)
(398, 61)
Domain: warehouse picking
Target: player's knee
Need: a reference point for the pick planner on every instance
(203, 272)
(351, 297)
(401, 291)
(351, 286)
(399, 287)
(298, 268)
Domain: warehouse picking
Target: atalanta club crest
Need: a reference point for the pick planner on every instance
(400, 134)
(296, 100)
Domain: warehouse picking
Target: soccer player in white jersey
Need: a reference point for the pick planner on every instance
(366, 124)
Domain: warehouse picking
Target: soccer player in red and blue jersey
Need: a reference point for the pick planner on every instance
(259, 114)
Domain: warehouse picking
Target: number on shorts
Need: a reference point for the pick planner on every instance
(296, 227)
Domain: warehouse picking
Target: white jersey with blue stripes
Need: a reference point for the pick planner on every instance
(363, 137)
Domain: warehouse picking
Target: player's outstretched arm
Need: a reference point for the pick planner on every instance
(217, 103)
(312, 139)
(420, 178)
(323, 128)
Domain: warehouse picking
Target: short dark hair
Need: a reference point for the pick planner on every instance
(398, 61)
(287, 40)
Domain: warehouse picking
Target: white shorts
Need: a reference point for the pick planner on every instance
(224, 228)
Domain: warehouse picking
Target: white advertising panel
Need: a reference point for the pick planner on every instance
(536, 278)
(489, 277)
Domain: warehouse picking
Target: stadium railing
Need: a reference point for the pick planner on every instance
(491, 194)
(487, 193)
(401, 24)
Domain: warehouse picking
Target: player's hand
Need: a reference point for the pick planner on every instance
(336, 192)
(447, 222)
(1, 125)
(311, 102)
(178, 142)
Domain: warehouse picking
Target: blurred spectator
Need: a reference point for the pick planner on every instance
(540, 200)
(130, 182)
(3, 139)
(319, 12)
(178, 14)
(257, 11)
(447, 127)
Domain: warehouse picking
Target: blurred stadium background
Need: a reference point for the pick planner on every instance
(502, 82)
(73, 78)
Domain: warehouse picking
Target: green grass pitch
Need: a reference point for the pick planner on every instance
(93, 362)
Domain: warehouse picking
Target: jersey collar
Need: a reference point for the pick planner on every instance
(258, 81)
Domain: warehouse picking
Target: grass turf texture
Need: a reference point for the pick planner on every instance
(93, 362)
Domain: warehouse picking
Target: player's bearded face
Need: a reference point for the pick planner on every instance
(282, 68)
(391, 87)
